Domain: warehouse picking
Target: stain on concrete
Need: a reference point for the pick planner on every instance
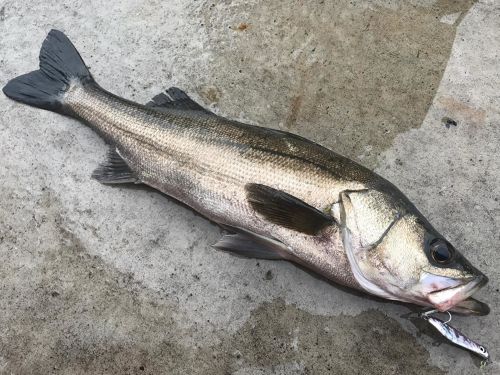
(448, 122)
(297, 100)
(467, 112)
(293, 113)
(76, 314)
(372, 67)
(242, 26)
(210, 93)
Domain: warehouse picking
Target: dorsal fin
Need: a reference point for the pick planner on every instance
(175, 98)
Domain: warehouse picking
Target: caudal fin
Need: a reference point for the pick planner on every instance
(60, 63)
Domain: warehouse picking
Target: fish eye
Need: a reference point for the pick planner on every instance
(441, 252)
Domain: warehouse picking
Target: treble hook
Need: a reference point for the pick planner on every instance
(449, 319)
(426, 314)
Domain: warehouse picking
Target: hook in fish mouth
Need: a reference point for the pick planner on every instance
(456, 296)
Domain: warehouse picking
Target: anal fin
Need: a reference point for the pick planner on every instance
(252, 245)
(114, 170)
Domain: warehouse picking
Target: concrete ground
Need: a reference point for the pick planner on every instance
(117, 280)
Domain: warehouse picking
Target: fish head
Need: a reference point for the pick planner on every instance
(396, 254)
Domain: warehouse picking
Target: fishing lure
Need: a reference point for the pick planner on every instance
(454, 335)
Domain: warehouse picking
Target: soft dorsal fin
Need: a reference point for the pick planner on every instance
(175, 98)
(284, 209)
(114, 170)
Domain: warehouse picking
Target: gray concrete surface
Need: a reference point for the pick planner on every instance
(99, 279)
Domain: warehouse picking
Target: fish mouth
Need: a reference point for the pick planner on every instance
(446, 299)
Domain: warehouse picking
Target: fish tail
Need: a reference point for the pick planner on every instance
(60, 65)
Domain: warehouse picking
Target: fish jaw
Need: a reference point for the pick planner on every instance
(446, 299)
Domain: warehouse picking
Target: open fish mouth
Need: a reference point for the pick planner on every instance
(448, 298)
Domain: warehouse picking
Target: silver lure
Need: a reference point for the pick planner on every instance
(455, 336)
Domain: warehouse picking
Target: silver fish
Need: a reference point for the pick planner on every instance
(280, 195)
(457, 337)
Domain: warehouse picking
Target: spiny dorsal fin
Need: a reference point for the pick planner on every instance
(284, 209)
(175, 98)
(114, 170)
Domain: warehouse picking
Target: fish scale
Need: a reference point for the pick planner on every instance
(203, 147)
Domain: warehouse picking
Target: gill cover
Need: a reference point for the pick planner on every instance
(375, 234)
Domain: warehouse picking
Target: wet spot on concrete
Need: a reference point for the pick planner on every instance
(78, 314)
(372, 70)
(277, 334)
(74, 314)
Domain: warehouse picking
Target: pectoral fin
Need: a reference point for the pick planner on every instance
(251, 245)
(284, 209)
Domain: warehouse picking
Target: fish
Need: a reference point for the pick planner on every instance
(277, 195)
(457, 337)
